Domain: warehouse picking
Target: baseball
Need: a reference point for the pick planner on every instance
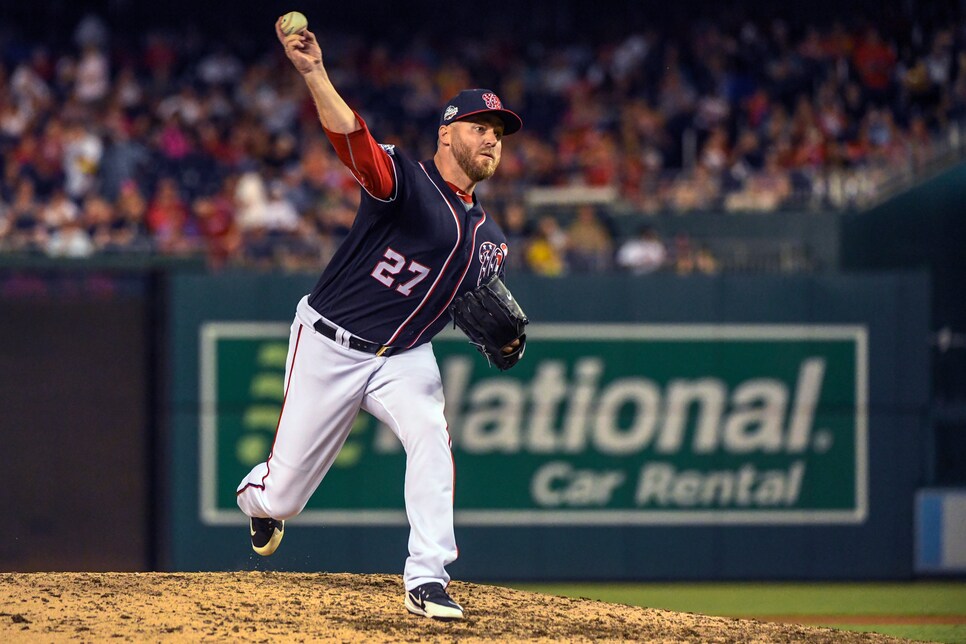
(293, 22)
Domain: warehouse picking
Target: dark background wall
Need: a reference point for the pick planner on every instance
(75, 426)
(925, 228)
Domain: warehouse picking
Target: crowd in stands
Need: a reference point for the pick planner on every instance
(184, 147)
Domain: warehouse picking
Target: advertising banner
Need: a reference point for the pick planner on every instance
(600, 424)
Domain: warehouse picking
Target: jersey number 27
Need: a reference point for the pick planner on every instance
(387, 272)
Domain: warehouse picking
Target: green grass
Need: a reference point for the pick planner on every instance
(920, 632)
(837, 600)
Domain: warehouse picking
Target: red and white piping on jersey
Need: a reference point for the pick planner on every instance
(456, 246)
(357, 173)
(458, 282)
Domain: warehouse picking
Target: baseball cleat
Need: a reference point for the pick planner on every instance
(431, 600)
(266, 535)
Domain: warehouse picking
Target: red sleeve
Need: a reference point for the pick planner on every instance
(366, 160)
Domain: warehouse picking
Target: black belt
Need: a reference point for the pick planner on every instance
(358, 344)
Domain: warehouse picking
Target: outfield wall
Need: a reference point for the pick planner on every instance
(76, 422)
(659, 428)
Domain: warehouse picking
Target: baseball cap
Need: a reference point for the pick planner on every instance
(478, 101)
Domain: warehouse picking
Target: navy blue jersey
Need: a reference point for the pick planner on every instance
(407, 257)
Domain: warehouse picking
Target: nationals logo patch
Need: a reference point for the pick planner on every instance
(491, 259)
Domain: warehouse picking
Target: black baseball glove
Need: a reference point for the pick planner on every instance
(492, 319)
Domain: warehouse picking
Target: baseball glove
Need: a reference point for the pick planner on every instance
(492, 319)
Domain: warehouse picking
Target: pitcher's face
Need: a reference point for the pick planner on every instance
(477, 143)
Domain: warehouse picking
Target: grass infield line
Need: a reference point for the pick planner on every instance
(933, 611)
(863, 620)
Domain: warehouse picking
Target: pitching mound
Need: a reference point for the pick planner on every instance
(257, 606)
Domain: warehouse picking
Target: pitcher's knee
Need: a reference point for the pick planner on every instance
(428, 438)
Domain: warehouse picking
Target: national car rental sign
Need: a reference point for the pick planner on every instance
(598, 425)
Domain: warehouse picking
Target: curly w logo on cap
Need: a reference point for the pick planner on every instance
(492, 101)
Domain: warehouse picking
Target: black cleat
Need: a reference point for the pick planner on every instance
(431, 600)
(266, 535)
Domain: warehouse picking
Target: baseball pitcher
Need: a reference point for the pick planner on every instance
(422, 252)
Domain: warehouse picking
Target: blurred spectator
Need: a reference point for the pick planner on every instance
(128, 231)
(124, 159)
(160, 57)
(761, 191)
(4, 226)
(682, 256)
(173, 142)
(687, 259)
(14, 118)
(92, 78)
(27, 232)
(698, 189)
(705, 262)
(325, 225)
(546, 252)
(251, 198)
(715, 152)
(182, 108)
(643, 254)
(167, 219)
(97, 215)
(82, 156)
(741, 114)
(279, 214)
(590, 247)
(281, 155)
(220, 67)
(27, 82)
(127, 92)
(875, 62)
(261, 207)
(267, 219)
(46, 165)
(70, 240)
(517, 229)
(216, 219)
(58, 211)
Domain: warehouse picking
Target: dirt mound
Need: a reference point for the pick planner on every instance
(266, 606)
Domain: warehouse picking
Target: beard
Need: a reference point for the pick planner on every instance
(476, 169)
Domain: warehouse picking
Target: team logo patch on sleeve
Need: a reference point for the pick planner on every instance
(389, 148)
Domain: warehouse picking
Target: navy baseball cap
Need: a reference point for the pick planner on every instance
(479, 101)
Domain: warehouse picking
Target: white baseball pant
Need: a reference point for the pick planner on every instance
(326, 386)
